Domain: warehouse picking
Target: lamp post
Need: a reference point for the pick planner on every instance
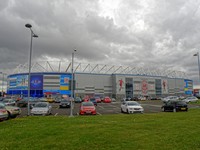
(72, 84)
(29, 66)
(197, 54)
(2, 83)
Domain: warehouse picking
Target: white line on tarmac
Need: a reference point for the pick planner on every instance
(101, 107)
(99, 113)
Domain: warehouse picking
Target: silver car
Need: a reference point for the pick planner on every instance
(12, 111)
(3, 112)
(190, 99)
(9, 102)
(41, 108)
(170, 98)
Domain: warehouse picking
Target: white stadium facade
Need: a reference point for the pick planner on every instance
(97, 79)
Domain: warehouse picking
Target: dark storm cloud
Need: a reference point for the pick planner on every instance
(138, 33)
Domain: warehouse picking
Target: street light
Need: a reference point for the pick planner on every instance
(72, 84)
(2, 83)
(29, 67)
(197, 54)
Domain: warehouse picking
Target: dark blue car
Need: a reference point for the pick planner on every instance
(94, 101)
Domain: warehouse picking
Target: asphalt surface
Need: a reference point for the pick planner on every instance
(150, 106)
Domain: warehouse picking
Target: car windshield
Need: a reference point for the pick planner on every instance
(2, 105)
(133, 104)
(181, 103)
(64, 100)
(40, 105)
(7, 100)
(92, 99)
(87, 104)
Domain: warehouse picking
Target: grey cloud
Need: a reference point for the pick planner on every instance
(142, 33)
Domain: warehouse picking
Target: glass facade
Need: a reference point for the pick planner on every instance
(40, 83)
(129, 87)
(158, 87)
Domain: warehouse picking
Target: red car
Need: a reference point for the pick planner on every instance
(98, 99)
(107, 100)
(87, 108)
(86, 100)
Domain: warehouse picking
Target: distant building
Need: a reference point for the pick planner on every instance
(102, 80)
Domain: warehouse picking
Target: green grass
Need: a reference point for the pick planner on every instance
(153, 131)
(197, 102)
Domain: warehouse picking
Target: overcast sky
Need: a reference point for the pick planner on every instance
(145, 33)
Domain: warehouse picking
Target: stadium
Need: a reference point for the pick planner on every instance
(97, 79)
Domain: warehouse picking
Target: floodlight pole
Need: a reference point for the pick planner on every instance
(197, 54)
(72, 84)
(29, 66)
(2, 83)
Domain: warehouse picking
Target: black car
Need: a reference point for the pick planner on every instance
(175, 106)
(78, 100)
(64, 103)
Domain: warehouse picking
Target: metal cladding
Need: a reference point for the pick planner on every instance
(98, 79)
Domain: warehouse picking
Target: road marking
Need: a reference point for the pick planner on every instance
(101, 107)
(99, 114)
(114, 106)
(56, 114)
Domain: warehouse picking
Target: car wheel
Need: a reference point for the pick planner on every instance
(163, 109)
(127, 111)
(9, 116)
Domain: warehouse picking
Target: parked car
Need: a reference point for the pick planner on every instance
(12, 111)
(57, 99)
(23, 102)
(190, 99)
(107, 99)
(42, 99)
(41, 108)
(50, 99)
(77, 100)
(94, 101)
(98, 99)
(85, 100)
(64, 103)
(113, 99)
(9, 102)
(181, 97)
(126, 99)
(87, 108)
(3, 112)
(197, 96)
(142, 98)
(131, 107)
(175, 106)
(1, 99)
(134, 99)
(170, 98)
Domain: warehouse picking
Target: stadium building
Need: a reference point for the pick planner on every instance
(97, 79)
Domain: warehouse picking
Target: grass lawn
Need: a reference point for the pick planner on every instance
(165, 131)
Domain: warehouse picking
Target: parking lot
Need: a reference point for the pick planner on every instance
(105, 108)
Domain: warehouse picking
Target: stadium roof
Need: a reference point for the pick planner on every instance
(60, 66)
